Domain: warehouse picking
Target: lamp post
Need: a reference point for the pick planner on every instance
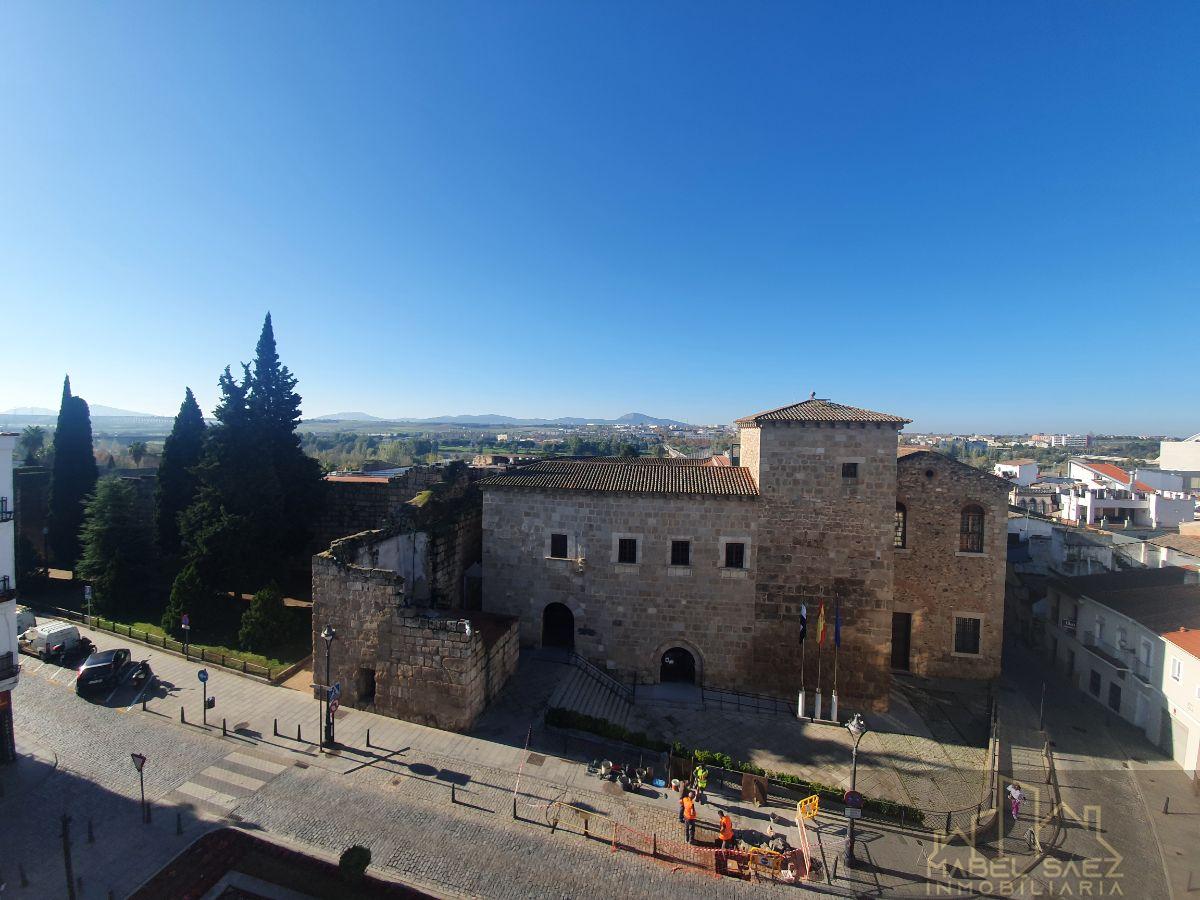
(857, 728)
(329, 634)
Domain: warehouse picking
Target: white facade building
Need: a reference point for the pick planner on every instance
(1128, 640)
(1103, 492)
(1180, 455)
(9, 661)
(1022, 472)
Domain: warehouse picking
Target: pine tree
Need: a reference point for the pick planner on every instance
(73, 476)
(264, 620)
(177, 481)
(118, 548)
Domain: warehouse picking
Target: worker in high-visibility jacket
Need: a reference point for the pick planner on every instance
(725, 832)
(700, 779)
(688, 804)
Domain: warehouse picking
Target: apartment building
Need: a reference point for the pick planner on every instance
(1129, 640)
(1103, 493)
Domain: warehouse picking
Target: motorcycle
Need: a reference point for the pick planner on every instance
(141, 674)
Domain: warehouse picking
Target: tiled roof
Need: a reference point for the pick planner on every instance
(904, 453)
(632, 476)
(1181, 542)
(1116, 473)
(634, 460)
(814, 410)
(1128, 579)
(1186, 639)
(1164, 609)
(1016, 462)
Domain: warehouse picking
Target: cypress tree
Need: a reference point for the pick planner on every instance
(118, 548)
(177, 481)
(73, 477)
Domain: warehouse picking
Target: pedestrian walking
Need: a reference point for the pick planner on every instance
(725, 833)
(1015, 796)
(700, 779)
(687, 809)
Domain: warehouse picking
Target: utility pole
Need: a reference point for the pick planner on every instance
(66, 845)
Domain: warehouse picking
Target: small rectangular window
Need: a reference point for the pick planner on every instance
(1177, 669)
(627, 551)
(850, 470)
(558, 546)
(966, 635)
(681, 553)
(735, 556)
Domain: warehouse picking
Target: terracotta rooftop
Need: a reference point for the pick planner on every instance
(816, 410)
(1186, 639)
(1107, 582)
(1181, 542)
(630, 476)
(1116, 473)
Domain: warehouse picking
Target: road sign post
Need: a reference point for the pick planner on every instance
(87, 596)
(186, 624)
(139, 760)
(203, 676)
(331, 706)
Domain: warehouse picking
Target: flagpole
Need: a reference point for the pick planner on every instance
(800, 701)
(820, 647)
(837, 645)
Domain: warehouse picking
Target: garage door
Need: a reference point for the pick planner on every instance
(1179, 741)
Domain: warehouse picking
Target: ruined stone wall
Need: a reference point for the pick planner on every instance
(934, 580)
(355, 506)
(823, 537)
(627, 616)
(412, 664)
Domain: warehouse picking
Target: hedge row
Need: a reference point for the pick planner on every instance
(910, 815)
(566, 718)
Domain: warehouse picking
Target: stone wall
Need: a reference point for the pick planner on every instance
(360, 503)
(824, 538)
(934, 580)
(627, 616)
(422, 665)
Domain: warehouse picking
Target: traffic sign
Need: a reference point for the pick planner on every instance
(335, 692)
(138, 760)
(87, 592)
(202, 675)
(185, 621)
(852, 813)
(333, 706)
(853, 800)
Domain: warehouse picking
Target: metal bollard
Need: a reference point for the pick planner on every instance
(947, 823)
(654, 844)
(275, 727)
(143, 703)
(223, 731)
(368, 737)
(453, 795)
(1166, 806)
(514, 806)
(181, 716)
(298, 732)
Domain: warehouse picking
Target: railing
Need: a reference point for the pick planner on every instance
(9, 667)
(6, 514)
(754, 703)
(1114, 655)
(624, 691)
(5, 586)
(201, 654)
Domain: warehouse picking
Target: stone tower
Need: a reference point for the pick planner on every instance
(827, 478)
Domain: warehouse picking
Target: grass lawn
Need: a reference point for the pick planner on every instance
(281, 655)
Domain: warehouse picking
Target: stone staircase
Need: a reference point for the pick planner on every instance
(584, 692)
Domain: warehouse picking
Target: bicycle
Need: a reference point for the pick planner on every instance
(1032, 841)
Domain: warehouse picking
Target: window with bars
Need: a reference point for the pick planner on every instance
(627, 551)
(735, 555)
(681, 553)
(558, 546)
(850, 471)
(970, 533)
(966, 634)
(900, 539)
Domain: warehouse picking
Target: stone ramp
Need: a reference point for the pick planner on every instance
(581, 692)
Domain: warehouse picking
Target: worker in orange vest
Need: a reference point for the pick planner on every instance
(726, 830)
(688, 803)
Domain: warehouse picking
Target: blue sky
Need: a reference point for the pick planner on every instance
(981, 216)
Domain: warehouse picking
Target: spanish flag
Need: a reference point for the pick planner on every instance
(821, 626)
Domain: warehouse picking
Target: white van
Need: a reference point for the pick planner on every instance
(25, 619)
(51, 640)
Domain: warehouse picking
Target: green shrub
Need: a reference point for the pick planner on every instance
(354, 862)
(567, 718)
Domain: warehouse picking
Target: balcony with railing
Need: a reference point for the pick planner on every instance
(1123, 659)
(6, 510)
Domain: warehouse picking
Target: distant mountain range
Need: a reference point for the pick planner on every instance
(97, 409)
(633, 418)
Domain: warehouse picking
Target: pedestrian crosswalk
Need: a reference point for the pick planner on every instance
(219, 789)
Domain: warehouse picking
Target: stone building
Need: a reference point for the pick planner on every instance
(684, 569)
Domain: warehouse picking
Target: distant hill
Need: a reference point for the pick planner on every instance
(348, 417)
(97, 409)
(497, 419)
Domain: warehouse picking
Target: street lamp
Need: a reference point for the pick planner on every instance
(857, 727)
(329, 634)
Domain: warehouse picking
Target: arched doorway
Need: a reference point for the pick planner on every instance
(678, 667)
(558, 626)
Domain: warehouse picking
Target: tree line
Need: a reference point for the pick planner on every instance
(231, 507)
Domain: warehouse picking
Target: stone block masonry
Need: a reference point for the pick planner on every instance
(428, 666)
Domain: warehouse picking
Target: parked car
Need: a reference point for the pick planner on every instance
(102, 671)
(53, 641)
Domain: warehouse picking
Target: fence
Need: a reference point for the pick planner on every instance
(201, 654)
(754, 703)
(624, 691)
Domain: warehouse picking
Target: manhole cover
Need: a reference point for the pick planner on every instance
(300, 765)
(535, 759)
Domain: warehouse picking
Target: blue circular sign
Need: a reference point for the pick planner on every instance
(202, 675)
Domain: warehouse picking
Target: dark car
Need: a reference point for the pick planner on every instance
(101, 670)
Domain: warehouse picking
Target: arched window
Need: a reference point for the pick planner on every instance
(901, 537)
(970, 532)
